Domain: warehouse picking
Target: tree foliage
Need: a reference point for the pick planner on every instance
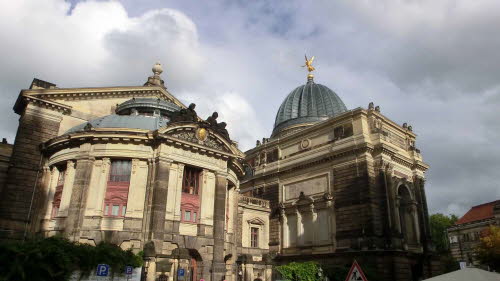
(303, 271)
(55, 258)
(308, 271)
(488, 250)
(438, 224)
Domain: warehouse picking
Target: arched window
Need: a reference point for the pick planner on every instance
(407, 218)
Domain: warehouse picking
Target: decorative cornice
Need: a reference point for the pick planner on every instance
(47, 95)
(25, 99)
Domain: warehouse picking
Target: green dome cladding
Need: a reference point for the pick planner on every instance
(308, 103)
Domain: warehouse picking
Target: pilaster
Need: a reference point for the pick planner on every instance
(218, 264)
(54, 175)
(160, 193)
(79, 195)
(69, 178)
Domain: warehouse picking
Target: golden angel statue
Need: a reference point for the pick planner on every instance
(308, 64)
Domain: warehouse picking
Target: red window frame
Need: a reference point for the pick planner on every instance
(117, 188)
(193, 214)
(254, 237)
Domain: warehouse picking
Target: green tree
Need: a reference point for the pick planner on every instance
(488, 250)
(439, 223)
(55, 258)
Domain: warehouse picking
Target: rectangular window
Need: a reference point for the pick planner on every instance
(254, 237)
(115, 201)
(120, 171)
(60, 180)
(56, 202)
(187, 215)
(114, 210)
(194, 217)
(54, 211)
(191, 180)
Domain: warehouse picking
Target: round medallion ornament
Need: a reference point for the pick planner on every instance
(305, 143)
(201, 134)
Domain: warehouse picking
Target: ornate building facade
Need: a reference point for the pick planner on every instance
(342, 185)
(135, 167)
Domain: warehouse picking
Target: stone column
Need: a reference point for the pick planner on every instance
(300, 232)
(285, 242)
(218, 264)
(414, 213)
(76, 210)
(41, 206)
(54, 175)
(160, 191)
(315, 227)
(424, 213)
(97, 190)
(69, 179)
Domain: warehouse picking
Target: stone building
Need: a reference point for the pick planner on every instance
(464, 235)
(342, 185)
(135, 167)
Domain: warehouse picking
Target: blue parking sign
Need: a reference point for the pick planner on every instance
(102, 270)
(181, 272)
(129, 270)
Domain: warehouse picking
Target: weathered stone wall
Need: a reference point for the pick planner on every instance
(5, 154)
(36, 126)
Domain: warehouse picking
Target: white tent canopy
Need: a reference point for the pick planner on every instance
(467, 274)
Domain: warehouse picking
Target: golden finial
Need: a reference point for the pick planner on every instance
(309, 66)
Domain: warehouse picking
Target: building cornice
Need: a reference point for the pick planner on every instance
(48, 95)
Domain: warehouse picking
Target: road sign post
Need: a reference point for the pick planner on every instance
(355, 273)
(102, 270)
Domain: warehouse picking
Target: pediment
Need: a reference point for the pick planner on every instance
(304, 200)
(197, 135)
(257, 221)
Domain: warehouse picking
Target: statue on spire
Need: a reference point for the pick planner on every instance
(310, 68)
(308, 64)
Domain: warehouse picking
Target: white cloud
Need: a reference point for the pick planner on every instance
(98, 44)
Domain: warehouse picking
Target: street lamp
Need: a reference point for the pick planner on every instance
(145, 269)
(320, 273)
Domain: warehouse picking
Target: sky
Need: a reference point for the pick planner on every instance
(434, 64)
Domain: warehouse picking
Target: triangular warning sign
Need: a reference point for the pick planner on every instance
(355, 273)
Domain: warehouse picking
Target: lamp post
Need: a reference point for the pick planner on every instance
(144, 275)
(320, 273)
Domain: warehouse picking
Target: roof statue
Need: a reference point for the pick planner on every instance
(309, 66)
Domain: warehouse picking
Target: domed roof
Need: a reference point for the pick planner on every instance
(147, 104)
(136, 113)
(124, 121)
(307, 104)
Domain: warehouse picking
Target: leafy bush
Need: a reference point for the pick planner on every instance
(55, 258)
(304, 271)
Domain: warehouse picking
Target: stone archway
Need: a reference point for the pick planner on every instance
(408, 220)
(190, 261)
